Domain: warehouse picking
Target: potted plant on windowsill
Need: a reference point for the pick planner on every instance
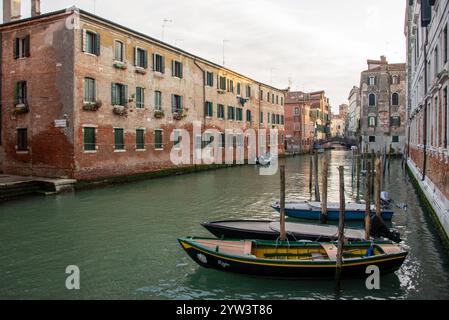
(92, 105)
(180, 114)
(120, 65)
(21, 108)
(141, 70)
(159, 114)
(120, 110)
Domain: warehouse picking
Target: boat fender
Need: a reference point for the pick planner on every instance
(370, 251)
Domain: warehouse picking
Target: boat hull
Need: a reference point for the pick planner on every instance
(287, 269)
(332, 214)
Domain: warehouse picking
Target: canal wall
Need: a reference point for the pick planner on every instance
(434, 201)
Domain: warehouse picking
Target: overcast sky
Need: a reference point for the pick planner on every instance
(311, 44)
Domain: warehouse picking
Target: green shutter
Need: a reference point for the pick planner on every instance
(154, 62)
(97, 44)
(140, 139)
(89, 139)
(114, 94)
(16, 48)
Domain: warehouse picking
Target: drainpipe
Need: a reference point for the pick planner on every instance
(204, 92)
(426, 80)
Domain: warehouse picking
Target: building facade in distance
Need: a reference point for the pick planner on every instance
(354, 112)
(383, 103)
(86, 98)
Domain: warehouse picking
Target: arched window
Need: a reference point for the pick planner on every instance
(372, 100)
(395, 79)
(372, 80)
(395, 99)
(372, 121)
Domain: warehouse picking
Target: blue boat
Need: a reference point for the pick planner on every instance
(312, 211)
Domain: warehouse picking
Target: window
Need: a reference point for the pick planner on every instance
(177, 69)
(437, 61)
(220, 111)
(222, 141)
(230, 86)
(277, 99)
(239, 88)
(176, 103)
(278, 119)
(371, 80)
(395, 99)
(140, 58)
(22, 47)
(239, 114)
(372, 100)
(282, 101)
(268, 117)
(176, 139)
(22, 139)
(261, 94)
(297, 111)
(222, 84)
(261, 117)
(231, 113)
(91, 42)
(140, 139)
(119, 94)
(395, 139)
(272, 98)
(21, 93)
(273, 118)
(395, 121)
(282, 120)
(158, 139)
(209, 79)
(248, 91)
(119, 140)
(208, 109)
(372, 139)
(268, 96)
(445, 118)
(248, 116)
(140, 97)
(157, 100)
(119, 51)
(395, 80)
(89, 90)
(372, 122)
(158, 63)
(89, 139)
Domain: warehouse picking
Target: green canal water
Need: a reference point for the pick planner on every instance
(124, 239)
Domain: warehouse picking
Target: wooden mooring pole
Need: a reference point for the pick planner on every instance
(341, 229)
(311, 176)
(368, 203)
(373, 166)
(283, 235)
(359, 162)
(378, 187)
(315, 178)
(323, 217)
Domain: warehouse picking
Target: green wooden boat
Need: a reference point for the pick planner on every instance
(295, 259)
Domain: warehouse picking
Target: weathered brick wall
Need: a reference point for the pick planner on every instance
(48, 72)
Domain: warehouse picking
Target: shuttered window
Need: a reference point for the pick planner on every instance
(395, 99)
(176, 139)
(119, 140)
(22, 47)
(158, 63)
(176, 103)
(372, 100)
(89, 139)
(222, 83)
(372, 122)
(239, 114)
(119, 51)
(141, 58)
(177, 69)
(395, 121)
(282, 120)
(239, 89)
(119, 95)
(208, 109)
(140, 139)
(158, 139)
(157, 100)
(395, 139)
(261, 117)
(140, 97)
(231, 113)
(248, 116)
(209, 79)
(89, 90)
(20, 95)
(22, 139)
(220, 111)
(91, 42)
(248, 91)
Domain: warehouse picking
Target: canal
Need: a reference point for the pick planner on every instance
(123, 239)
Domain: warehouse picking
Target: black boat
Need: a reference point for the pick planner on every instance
(269, 230)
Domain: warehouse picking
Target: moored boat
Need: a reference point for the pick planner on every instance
(270, 230)
(295, 259)
(312, 211)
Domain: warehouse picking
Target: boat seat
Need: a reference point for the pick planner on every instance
(247, 248)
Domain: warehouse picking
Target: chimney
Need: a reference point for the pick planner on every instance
(11, 10)
(35, 8)
(383, 59)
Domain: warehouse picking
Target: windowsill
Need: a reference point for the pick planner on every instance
(158, 149)
(141, 150)
(91, 54)
(179, 78)
(22, 151)
(159, 74)
(120, 150)
(222, 119)
(209, 117)
(90, 151)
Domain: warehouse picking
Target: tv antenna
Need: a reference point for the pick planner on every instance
(164, 24)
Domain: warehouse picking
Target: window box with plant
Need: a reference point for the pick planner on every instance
(159, 114)
(120, 99)
(20, 98)
(92, 105)
(120, 65)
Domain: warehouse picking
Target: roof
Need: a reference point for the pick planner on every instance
(136, 33)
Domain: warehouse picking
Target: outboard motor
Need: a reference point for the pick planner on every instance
(385, 199)
(380, 230)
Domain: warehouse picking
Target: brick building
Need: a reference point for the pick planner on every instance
(354, 113)
(426, 31)
(383, 103)
(86, 98)
(299, 129)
